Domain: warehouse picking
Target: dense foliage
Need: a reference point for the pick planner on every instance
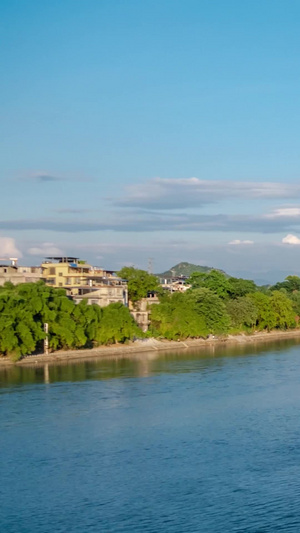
(140, 283)
(192, 314)
(216, 303)
(221, 284)
(26, 307)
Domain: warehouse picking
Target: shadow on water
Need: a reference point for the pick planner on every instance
(141, 365)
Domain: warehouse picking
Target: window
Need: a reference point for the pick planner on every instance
(60, 284)
(60, 274)
(52, 271)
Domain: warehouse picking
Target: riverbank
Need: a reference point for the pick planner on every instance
(140, 347)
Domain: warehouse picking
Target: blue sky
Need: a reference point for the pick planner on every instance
(162, 129)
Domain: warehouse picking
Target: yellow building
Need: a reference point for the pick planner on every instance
(65, 271)
(84, 282)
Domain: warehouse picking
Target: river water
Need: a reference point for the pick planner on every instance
(201, 441)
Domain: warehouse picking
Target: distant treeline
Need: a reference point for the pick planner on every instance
(214, 304)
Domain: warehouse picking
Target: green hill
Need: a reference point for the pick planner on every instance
(185, 269)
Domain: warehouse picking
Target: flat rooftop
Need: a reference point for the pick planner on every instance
(64, 259)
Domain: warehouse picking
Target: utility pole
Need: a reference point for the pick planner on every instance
(46, 339)
(150, 265)
(172, 273)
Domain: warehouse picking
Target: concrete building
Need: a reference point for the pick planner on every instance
(141, 310)
(10, 271)
(175, 283)
(65, 271)
(101, 294)
(31, 274)
(84, 282)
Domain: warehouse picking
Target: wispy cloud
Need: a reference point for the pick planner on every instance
(160, 193)
(72, 211)
(137, 221)
(43, 177)
(285, 212)
(237, 242)
(160, 222)
(44, 249)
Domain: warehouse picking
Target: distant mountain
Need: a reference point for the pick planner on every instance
(185, 269)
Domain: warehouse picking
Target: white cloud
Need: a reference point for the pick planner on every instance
(237, 242)
(8, 248)
(291, 239)
(44, 249)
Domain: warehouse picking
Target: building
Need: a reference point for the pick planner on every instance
(65, 271)
(31, 274)
(11, 272)
(101, 290)
(84, 282)
(141, 310)
(175, 283)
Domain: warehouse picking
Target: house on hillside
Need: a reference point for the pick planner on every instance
(174, 283)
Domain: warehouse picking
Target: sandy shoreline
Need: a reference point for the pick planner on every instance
(138, 348)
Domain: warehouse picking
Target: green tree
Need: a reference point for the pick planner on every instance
(242, 312)
(295, 299)
(290, 284)
(210, 306)
(116, 325)
(214, 280)
(139, 283)
(175, 318)
(240, 287)
(266, 318)
(282, 308)
(195, 313)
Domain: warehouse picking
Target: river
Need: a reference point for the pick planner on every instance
(196, 442)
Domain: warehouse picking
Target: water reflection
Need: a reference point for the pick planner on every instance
(201, 359)
(46, 373)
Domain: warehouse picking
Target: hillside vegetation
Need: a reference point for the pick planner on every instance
(184, 269)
